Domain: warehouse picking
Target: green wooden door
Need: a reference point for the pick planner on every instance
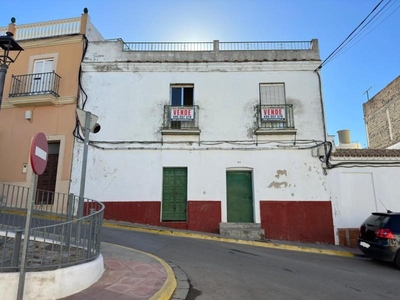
(174, 195)
(239, 196)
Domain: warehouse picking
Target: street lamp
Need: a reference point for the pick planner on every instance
(9, 54)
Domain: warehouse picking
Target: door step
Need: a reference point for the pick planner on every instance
(251, 231)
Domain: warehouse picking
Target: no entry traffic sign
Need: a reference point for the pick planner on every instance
(38, 154)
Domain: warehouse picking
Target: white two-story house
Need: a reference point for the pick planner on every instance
(198, 134)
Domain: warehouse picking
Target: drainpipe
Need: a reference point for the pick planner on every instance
(322, 106)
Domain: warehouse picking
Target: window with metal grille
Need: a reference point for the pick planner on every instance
(274, 112)
(272, 93)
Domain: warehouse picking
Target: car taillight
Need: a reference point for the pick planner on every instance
(384, 234)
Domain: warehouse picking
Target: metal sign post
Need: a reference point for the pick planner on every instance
(88, 122)
(84, 163)
(38, 157)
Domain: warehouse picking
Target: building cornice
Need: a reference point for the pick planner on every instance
(53, 41)
(200, 66)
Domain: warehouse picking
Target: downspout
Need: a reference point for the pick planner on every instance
(322, 106)
(327, 151)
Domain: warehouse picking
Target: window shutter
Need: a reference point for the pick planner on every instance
(272, 93)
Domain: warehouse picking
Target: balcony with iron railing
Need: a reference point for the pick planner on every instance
(275, 119)
(181, 120)
(38, 88)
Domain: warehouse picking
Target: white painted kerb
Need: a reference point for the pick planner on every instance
(51, 285)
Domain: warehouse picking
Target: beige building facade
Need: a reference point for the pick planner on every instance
(41, 93)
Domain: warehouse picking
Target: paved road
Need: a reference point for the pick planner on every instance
(231, 271)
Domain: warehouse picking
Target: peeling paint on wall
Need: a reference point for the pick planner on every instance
(280, 173)
(278, 185)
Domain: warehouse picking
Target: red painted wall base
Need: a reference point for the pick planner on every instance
(305, 221)
(203, 216)
(133, 212)
(176, 225)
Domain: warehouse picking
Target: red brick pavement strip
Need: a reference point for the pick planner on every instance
(130, 274)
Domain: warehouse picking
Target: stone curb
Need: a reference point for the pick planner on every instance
(183, 287)
(266, 244)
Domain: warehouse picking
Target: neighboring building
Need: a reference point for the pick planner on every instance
(40, 95)
(362, 181)
(382, 117)
(195, 134)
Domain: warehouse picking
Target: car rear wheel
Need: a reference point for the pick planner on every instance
(397, 259)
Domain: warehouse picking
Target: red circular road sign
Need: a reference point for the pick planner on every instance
(38, 154)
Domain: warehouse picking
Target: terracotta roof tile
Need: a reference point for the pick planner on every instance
(367, 153)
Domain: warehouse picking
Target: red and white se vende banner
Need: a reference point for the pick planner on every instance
(182, 114)
(273, 114)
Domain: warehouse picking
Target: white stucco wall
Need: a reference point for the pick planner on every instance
(51, 285)
(136, 175)
(395, 146)
(133, 99)
(92, 34)
(356, 192)
(129, 99)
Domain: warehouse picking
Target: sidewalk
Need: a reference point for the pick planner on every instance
(130, 274)
(135, 275)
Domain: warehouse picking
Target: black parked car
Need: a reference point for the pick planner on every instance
(380, 237)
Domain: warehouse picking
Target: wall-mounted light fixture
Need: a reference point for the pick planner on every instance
(28, 115)
(9, 54)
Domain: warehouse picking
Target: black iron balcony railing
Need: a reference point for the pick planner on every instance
(275, 116)
(181, 117)
(35, 84)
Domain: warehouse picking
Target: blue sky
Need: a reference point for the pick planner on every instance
(372, 62)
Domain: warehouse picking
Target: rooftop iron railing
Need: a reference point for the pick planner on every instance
(35, 84)
(216, 45)
(58, 238)
(168, 46)
(255, 46)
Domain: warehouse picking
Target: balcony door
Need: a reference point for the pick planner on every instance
(42, 76)
(181, 96)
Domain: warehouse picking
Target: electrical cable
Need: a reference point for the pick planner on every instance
(356, 38)
(337, 48)
(76, 132)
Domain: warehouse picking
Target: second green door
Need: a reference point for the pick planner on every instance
(239, 196)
